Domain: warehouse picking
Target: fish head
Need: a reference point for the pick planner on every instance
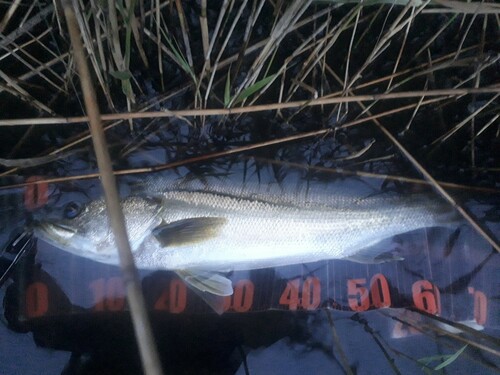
(86, 231)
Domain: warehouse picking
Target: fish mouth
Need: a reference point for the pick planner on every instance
(54, 230)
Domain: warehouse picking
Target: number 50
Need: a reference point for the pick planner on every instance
(358, 295)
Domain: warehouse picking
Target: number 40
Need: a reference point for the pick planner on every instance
(308, 298)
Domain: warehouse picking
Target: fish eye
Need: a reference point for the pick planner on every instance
(72, 210)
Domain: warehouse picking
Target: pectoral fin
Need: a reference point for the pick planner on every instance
(209, 286)
(188, 231)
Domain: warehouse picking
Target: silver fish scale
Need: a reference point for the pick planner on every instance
(299, 194)
(261, 234)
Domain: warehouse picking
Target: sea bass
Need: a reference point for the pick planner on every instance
(200, 233)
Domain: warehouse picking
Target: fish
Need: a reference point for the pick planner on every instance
(202, 233)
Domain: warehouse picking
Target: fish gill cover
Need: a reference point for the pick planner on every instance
(298, 155)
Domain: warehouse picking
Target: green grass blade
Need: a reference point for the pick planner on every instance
(179, 57)
(451, 358)
(447, 358)
(120, 75)
(254, 88)
(227, 90)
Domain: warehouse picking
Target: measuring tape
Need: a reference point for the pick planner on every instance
(94, 288)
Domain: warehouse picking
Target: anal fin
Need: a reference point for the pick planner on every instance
(209, 286)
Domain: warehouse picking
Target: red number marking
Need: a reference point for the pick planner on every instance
(311, 293)
(480, 307)
(243, 296)
(227, 303)
(379, 289)
(115, 294)
(99, 293)
(36, 195)
(426, 297)
(173, 298)
(108, 294)
(161, 303)
(178, 296)
(357, 295)
(290, 296)
(37, 300)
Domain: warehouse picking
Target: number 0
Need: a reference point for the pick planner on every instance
(37, 300)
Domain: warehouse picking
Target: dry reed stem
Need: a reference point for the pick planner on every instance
(427, 327)
(26, 26)
(116, 49)
(400, 54)
(13, 52)
(204, 29)
(241, 149)
(252, 19)
(159, 43)
(344, 361)
(82, 137)
(462, 41)
(476, 7)
(464, 122)
(417, 108)
(87, 42)
(8, 15)
(215, 34)
(395, 314)
(489, 238)
(223, 47)
(135, 31)
(257, 108)
(150, 359)
(283, 26)
(432, 39)
(347, 172)
(86, 135)
(324, 45)
(383, 43)
(21, 93)
(379, 340)
(185, 32)
(351, 42)
(98, 26)
(466, 329)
